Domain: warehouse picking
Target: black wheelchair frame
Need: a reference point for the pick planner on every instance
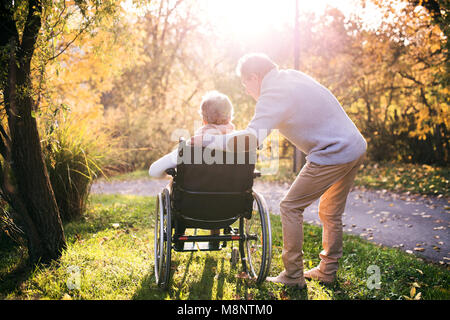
(246, 207)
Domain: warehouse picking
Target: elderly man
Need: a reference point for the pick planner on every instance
(309, 116)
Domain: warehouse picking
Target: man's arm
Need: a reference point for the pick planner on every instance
(242, 140)
(270, 110)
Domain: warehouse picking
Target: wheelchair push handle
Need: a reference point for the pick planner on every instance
(171, 172)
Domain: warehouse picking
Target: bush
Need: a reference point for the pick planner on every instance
(74, 154)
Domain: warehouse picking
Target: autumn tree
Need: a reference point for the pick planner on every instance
(411, 60)
(24, 180)
(388, 78)
(158, 94)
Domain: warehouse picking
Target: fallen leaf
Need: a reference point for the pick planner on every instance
(419, 249)
(412, 292)
(242, 275)
(284, 295)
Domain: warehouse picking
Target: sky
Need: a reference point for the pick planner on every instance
(246, 19)
(241, 17)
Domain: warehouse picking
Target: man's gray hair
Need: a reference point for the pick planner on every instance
(216, 108)
(258, 63)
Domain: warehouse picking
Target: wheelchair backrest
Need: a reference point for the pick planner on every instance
(213, 185)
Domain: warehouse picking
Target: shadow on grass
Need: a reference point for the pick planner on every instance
(14, 266)
(221, 280)
(203, 288)
(183, 280)
(12, 280)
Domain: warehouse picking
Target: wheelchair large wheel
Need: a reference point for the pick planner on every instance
(258, 240)
(163, 239)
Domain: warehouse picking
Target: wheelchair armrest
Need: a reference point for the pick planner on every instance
(171, 172)
(256, 174)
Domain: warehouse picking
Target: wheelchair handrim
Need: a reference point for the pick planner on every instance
(265, 236)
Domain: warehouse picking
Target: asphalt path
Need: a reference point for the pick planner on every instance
(416, 224)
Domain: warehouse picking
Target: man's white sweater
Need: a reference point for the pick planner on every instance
(308, 115)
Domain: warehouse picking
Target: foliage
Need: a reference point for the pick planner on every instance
(74, 155)
(387, 78)
(154, 96)
(112, 247)
(154, 62)
(33, 34)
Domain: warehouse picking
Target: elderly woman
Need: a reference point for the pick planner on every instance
(217, 112)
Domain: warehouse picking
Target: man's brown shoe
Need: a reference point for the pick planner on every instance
(316, 274)
(288, 281)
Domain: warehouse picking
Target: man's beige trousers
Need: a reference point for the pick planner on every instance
(332, 184)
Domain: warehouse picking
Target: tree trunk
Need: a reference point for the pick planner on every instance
(33, 198)
(34, 187)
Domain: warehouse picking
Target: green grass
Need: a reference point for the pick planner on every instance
(135, 175)
(112, 245)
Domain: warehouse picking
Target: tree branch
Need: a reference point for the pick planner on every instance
(30, 33)
(70, 42)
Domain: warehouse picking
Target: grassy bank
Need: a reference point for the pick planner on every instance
(110, 249)
(396, 177)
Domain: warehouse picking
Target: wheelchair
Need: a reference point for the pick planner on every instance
(212, 192)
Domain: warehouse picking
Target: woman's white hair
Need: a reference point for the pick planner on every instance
(216, 108)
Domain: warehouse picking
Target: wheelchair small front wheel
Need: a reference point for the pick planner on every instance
(258, 240)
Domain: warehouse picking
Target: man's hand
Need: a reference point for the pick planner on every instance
(197, 140)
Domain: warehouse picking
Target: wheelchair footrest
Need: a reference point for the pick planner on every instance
(200, 246)
(204, 243)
